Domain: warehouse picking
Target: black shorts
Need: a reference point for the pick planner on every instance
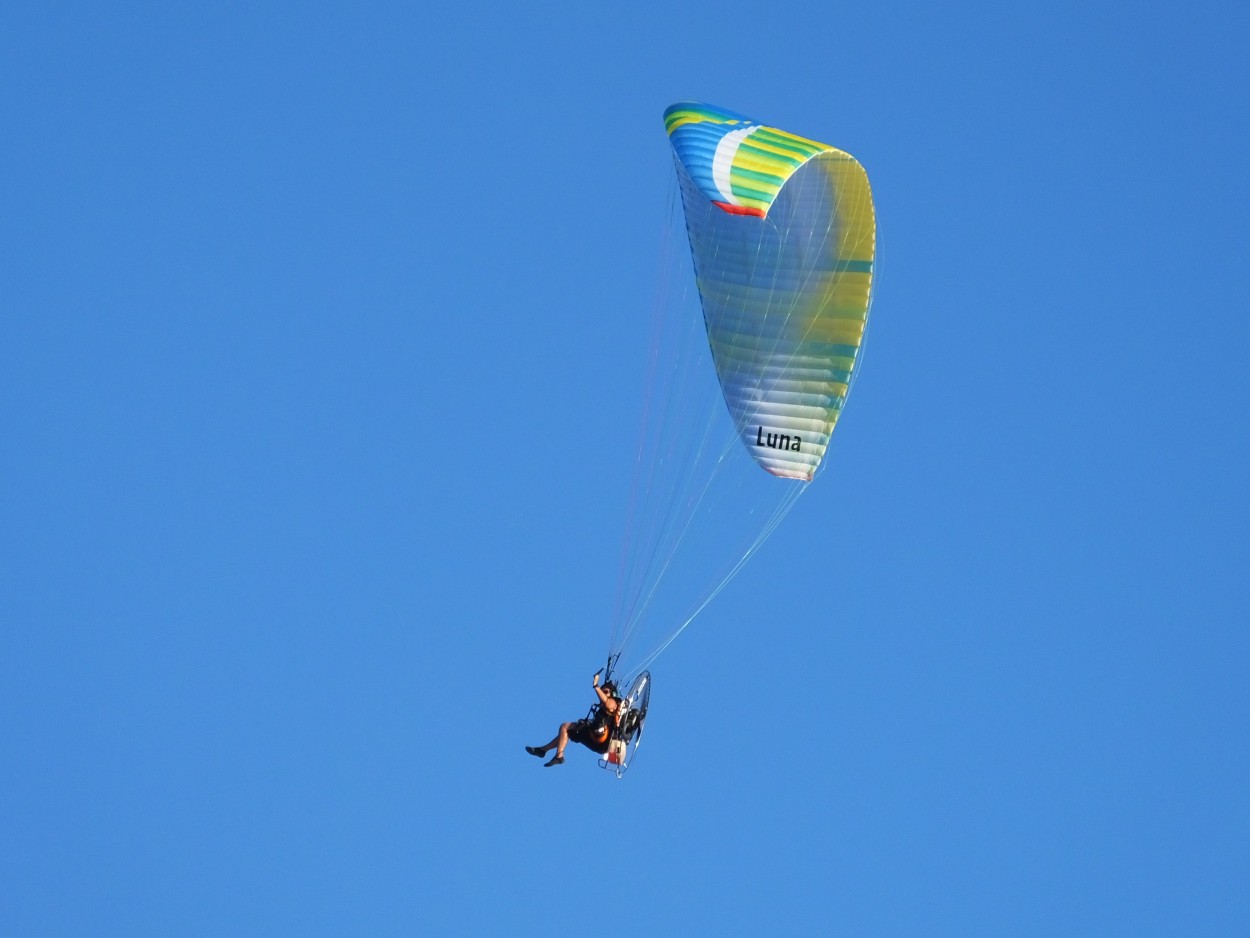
(586, 733)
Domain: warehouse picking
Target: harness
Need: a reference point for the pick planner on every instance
(601, 721)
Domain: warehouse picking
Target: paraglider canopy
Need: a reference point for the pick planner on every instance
(783, 235)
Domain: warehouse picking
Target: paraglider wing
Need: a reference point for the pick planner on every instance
(783, 236)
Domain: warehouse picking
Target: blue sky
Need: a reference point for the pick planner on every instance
(321, 359)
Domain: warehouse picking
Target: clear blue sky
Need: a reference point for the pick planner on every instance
(321, 345)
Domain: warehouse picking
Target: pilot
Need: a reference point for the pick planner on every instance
(593, 732)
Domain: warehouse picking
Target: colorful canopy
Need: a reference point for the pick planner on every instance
(783, 235)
